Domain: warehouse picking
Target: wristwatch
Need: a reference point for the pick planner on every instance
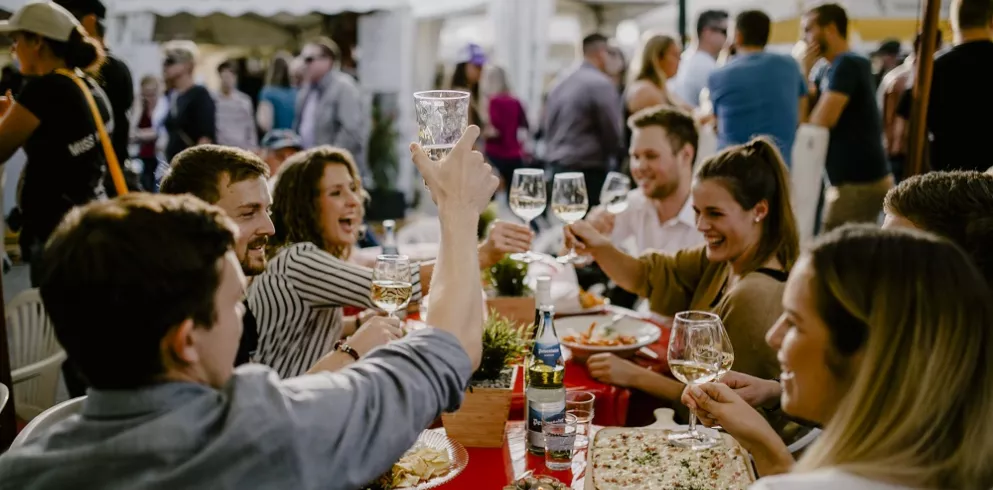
(347, 349)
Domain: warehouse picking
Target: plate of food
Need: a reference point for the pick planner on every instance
(621, 458)
(433, 461)
(619, 334)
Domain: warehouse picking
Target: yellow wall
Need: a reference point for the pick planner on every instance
(787, 31)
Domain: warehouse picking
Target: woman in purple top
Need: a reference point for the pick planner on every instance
(506, 116)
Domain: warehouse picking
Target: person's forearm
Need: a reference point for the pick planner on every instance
(625, 270)
(659, 386)
(456, 305)
(331, 362)
(772, 457)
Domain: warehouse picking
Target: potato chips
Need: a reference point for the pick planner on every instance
(420, 465)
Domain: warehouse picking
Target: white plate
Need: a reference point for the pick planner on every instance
(644, 332)
(457, 454)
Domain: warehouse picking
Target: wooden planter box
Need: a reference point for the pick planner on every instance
(482, 419)
(518, 310)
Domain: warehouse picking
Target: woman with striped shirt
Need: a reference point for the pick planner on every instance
(318, 211)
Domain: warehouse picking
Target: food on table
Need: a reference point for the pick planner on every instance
(537, 483)
(644, 459)
(417, 466)
(604, 337)
(589, 300)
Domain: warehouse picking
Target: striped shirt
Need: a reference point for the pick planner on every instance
(297, 302)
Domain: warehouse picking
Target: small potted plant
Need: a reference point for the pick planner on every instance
(508, 293)
(482, 419)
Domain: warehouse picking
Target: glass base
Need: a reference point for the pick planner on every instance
(693, 440)
(570, 258)
(527, 257)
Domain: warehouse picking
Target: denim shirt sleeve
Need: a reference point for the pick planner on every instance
(349, 427)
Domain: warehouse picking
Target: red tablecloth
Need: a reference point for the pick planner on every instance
(492, 469)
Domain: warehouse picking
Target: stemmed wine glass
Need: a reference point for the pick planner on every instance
(694, 358)
(391, 283)
(528, 201)
(726, 356)
(614, 195)
(570, 202)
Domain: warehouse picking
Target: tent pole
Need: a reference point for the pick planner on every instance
(916, 161)
(682, 24)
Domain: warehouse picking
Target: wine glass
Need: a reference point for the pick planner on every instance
(694, 358)
(391, 283)
(570, 202)
(614, 195)
(528, 201)
(727, 352)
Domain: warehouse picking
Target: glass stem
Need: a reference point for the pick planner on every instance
(692, 430)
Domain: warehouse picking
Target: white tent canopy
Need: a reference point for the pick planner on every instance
(236, 8)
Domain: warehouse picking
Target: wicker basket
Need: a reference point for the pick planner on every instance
(482, 419)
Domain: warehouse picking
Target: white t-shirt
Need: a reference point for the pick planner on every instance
(827, 479)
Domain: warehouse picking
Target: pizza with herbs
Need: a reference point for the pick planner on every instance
(643, 459)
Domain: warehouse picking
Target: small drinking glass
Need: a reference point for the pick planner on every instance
(614, 195)
(560, 442)
(570, 201)
(580, 404)
(694, 358)
(442, 117)
(528, 201)
(391, 283)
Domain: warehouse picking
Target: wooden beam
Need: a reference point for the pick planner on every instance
(916, 161)
(8, 423)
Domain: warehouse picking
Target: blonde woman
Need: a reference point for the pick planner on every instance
(657, 62)
(885, 342)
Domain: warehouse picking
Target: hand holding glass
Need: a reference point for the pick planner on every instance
(442, 118)
(391, 283)
(570, 202)
(694, 358)
(528, 201)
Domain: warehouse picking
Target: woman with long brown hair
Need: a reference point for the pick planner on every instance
(742, 202)
(653, 67)
(885, 342)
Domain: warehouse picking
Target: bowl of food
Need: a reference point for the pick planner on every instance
(433, 461)
(619, 334)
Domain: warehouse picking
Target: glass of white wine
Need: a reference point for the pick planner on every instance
(614, 195)
(528, 201)
(391, 283)
(727, 352)
(570, 201)
(694, 358)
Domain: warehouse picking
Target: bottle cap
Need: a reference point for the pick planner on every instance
(543, 291)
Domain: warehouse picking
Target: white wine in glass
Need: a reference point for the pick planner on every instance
(528, 200)
(694, 358)
(391, 283)
(570, 202)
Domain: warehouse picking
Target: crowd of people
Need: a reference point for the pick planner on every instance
(229, 287)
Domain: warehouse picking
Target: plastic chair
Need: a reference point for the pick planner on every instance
(47, 419)
(804, 442)
(35, 355)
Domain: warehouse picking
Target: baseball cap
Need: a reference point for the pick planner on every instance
(181, 52)
(472, 53)
(278, 139)
(82, 8)
(890, 46)
(45, 19)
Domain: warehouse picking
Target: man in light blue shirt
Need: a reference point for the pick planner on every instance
(166, 410)
(757, 93)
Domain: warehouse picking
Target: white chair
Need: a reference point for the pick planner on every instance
(807, 175)
(4, 395)
(47, 419)
(35, 355)
(804, 441)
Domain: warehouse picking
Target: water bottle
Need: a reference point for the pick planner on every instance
(544, 390)
(390, 238)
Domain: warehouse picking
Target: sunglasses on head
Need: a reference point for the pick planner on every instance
(722, 30)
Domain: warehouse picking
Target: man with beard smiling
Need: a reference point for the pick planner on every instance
(659, 214)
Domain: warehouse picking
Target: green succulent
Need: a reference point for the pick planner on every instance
(504, 344)
(507, 278)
